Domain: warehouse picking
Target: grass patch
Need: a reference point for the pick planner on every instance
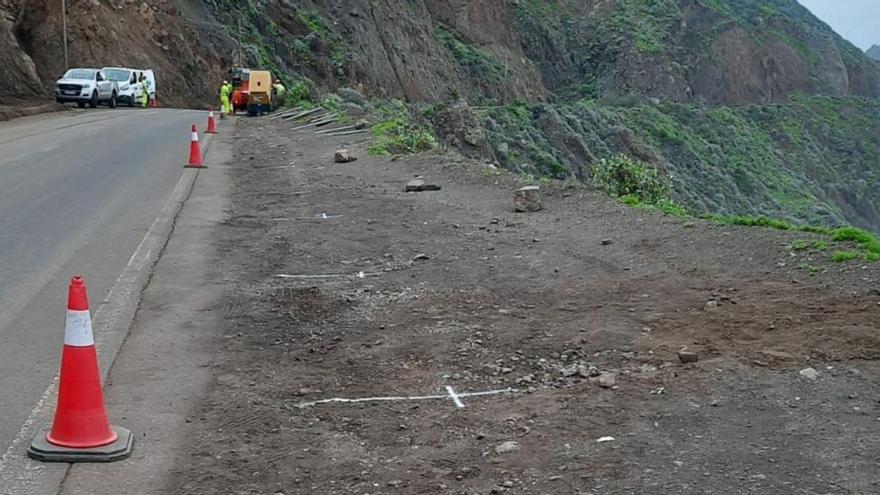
(843, 256)
(868, 244)
(864, 239)
(400, 136)
(812, 246)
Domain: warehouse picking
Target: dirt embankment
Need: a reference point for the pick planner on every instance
(580, 308)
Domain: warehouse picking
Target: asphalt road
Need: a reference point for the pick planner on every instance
(78, 191)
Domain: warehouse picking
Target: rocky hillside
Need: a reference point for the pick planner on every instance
(809, 159)
(874, 52)
(751, 107)
(187, 57)
(717, 51)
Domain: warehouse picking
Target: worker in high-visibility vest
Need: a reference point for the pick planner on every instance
(226, 97)
(278, 91)
(145, 92)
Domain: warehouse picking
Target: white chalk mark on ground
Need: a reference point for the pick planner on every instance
(329, 275)
(456, 397)
(322, 216)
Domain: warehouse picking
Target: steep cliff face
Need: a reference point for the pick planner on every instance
(718, 51)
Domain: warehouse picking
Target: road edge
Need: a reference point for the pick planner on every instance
(112, 322)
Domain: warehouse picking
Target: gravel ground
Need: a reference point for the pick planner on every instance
(574, 315)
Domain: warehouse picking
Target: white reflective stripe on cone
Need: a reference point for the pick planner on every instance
(78, 330)
(211, 114)
(195, 137)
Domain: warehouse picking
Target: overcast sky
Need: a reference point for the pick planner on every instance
(856, 20)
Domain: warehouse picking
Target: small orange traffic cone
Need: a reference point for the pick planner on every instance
(212, 126)
(81, 431)
(154, 103)
(195, 152)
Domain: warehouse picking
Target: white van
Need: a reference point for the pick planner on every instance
(129, 89)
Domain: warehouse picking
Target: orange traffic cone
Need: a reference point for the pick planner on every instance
(154, 103)
(195, 152)
(212, 126)
(81, 431)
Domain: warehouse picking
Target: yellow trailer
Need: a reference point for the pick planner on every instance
(260, 97)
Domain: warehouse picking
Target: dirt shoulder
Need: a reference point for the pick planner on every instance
(406, 294)
(10, 110)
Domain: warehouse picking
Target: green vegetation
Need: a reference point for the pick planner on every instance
(813, 246)
(867, 241)
(807, 161)
(298, 90)
(621, 176)
(338, 51)
(868, 244)
(478, 64)
(843, 256)
(400, 135)
(647, 22)
(275, 47)
(490, 172)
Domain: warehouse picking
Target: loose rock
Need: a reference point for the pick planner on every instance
(507, 447)
(686, 356)
(809, 374)
(344, 156)
(418, 185)
(607, 380)
(527, 199)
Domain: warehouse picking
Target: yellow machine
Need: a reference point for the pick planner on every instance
(260, 88)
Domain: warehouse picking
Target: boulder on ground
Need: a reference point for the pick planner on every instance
(418, 185)
(686, 356)
(527, 199)
(344, 156)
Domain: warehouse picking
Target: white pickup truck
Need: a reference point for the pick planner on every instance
(86, 86)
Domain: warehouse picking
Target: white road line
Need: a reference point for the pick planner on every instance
(20, 475)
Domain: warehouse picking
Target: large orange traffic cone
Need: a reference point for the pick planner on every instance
(81, 431)
(195, 152)
(212, 126)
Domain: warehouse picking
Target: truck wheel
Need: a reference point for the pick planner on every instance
(93, 103)
(131, 100)
(113, 100)
(81, 104)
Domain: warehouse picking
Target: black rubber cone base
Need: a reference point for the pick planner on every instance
(195, 166)
(42, 450)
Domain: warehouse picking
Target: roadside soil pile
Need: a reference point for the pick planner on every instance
(580, 308)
